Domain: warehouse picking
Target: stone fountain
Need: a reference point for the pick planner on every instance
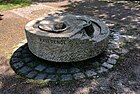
(66, 37)
(82, 41)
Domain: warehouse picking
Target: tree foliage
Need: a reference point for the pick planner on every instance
(14, 1)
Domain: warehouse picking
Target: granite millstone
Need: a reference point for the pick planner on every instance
(66, 38)
(27, 65)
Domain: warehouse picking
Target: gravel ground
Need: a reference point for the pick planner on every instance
(124, 79)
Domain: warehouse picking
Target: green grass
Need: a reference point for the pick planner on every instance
(6, 5)
(38, 82)
(11, 6)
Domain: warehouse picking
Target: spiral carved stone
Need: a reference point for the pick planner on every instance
(66, 38)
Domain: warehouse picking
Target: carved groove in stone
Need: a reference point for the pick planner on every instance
(70, 38)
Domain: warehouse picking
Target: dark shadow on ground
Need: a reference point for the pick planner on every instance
(1, 16)
(123, 79)
(127, 13)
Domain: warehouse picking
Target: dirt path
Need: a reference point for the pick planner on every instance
(13, 22)
(11, 32)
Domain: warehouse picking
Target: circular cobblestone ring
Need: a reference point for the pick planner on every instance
(26, 64)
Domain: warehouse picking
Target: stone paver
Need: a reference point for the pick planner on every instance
(40, 67)
(74, 70)
(62, 70)
(90, 73)
(40, 76)
(15, 60)
(115, 56)
(18, 65)
(24, 70)
(17, 54)
(107, 65)
(102, 69)
(32, 64)
(28, 59)
(112, 61)
(24, 51)
(50, 70)
(66, 77)
(78, 76)
(31, 74)
(26, 55)
(52, 77)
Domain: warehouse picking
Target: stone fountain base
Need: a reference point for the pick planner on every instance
(66, 37)
(26, 64)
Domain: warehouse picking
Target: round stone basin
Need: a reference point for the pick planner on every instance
(66, 37)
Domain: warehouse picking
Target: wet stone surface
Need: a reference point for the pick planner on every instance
(29, 66)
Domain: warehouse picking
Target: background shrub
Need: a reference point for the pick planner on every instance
(18, 1)
(15, 1)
